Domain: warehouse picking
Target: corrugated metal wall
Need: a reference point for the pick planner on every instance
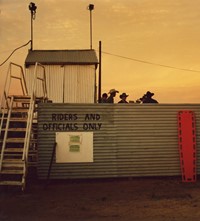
(69, 83)
(133, 140)
(79, 84)
(29, 76)
(54, 76)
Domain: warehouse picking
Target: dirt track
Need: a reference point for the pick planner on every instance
(140, 199)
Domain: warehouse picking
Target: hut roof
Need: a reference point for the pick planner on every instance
(62, 57)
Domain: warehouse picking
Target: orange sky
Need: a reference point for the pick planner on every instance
(156, 31)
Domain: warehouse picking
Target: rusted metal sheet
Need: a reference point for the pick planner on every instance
(130, 140)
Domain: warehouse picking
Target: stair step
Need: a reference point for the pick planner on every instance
(22, 100)
(21, 119)
(22, 129)
(18, 119)
(12, 166)
(13, 161)
(19, 96)
(18, 150)
(10, 183)
(13, 130)
(15, 140)
(9, 171)
(18, 129)
(12, 156)
(20, 110)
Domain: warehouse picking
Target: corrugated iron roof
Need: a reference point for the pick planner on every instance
(61, 57)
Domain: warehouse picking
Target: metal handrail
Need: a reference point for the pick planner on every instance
(6, 104)
(43, 79)
(6, 133)
(31, 108)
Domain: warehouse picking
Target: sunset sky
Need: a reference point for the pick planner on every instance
(139, 38)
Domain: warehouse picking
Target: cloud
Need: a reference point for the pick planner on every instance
(158, 31)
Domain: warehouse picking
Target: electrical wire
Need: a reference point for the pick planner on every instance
(120, 56)
(152, 63)
(14, 52)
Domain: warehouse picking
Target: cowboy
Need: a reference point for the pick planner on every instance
(104, 98)
(112, 93)
(148, 98)
(123, 97)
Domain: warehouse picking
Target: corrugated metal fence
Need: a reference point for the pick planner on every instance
(129, 139)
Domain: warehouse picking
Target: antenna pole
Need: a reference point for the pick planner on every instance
(32, 8)
(91, 8)
(31, 32)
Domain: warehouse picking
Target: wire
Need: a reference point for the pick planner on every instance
(14, 52)
(151, 63)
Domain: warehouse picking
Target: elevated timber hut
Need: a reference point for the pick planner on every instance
(70, 74)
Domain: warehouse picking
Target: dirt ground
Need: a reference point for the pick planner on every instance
(139, 199)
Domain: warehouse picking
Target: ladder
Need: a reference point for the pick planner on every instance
(18, 128)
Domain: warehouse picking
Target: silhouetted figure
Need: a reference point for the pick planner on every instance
(141, 100)
(147, 98)
(123, 97)
(112, 93)
(104, 98)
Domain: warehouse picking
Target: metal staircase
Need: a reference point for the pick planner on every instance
(18, 128)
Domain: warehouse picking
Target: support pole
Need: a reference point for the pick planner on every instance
(90, 29)
(31, 32)
(99, 93)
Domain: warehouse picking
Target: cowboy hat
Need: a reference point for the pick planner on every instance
(123, 95)
(149, 94)
(113, 91)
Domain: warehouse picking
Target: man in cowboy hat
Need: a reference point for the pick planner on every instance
(123, 97)
(148, 98)
(112, 93)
